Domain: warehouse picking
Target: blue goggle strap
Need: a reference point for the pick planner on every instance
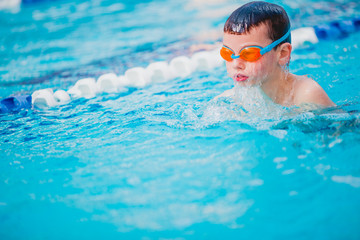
(274, 44)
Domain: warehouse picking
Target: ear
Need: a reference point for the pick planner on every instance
(284, 54)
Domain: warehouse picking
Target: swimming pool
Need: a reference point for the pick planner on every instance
(166, 161)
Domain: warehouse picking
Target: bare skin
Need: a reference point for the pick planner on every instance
(269, 72)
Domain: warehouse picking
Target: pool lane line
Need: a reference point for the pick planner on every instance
(178, 67)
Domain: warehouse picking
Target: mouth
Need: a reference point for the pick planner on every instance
(240, 78)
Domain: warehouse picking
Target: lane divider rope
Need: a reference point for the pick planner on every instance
(158, 72)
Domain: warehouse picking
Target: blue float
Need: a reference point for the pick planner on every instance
(328, 31)
(356, 22)
(337, 29)
(15, 103)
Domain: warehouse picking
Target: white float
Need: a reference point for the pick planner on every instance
(85, 88)
(159, 72)
(61, 97)
(218, 61)
(181, 66)
(43, 98)
(301, 36)
(108, 83)
(206, 60)
(136, 77)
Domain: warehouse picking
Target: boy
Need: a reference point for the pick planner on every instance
(257, 48)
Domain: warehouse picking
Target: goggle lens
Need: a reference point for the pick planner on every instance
(250, 54)
(226, 54)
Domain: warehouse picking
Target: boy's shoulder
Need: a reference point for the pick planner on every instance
(306, 90)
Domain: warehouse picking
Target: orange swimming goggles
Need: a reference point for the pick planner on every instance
(250, 53)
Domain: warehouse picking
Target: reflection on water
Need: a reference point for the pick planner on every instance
(163, 194)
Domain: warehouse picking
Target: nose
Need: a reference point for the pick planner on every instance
(238, 64)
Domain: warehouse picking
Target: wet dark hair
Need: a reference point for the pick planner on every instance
(253, 14)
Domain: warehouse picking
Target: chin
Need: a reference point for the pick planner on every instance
(247, 83)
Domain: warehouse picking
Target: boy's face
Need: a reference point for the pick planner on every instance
(251, 73)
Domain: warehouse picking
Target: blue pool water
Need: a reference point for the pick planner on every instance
(167, 161)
